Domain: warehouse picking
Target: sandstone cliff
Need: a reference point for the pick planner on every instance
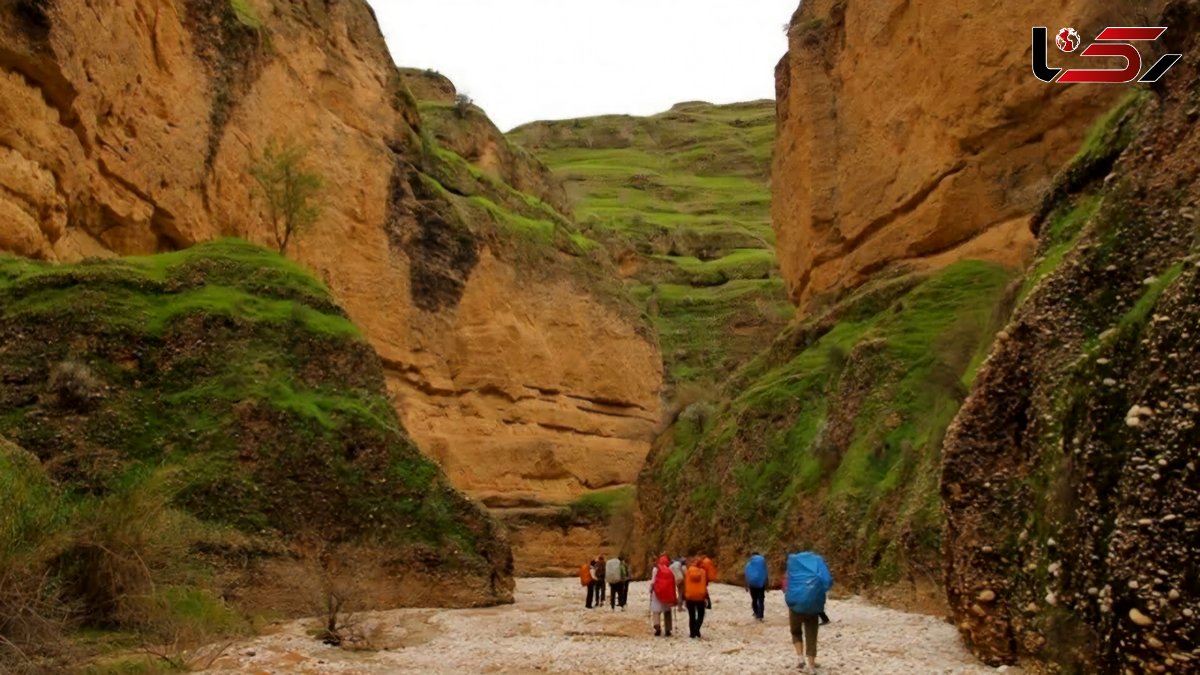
(913, 133)
(1070, 480)
(128, 127)
(681, 201)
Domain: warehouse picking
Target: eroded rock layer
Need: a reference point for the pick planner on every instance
(895, 148)
(129, 127)
(1069, 478)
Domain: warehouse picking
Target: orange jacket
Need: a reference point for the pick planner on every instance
(710, 568)
(695, 584)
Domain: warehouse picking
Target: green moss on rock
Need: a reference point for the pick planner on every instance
(227, 376)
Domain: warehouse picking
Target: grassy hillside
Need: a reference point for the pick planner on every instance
(831, 438)
(181, 423)
(681, 200)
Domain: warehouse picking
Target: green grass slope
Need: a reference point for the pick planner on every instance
(831, 437)
(184, 421)
(681, 200)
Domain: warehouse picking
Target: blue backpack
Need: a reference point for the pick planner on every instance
(808, 579)
(756, 572)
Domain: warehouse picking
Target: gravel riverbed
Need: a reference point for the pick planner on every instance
(549, 630)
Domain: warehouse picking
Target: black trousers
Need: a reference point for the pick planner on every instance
(617, 594)
(600, 591)
(695, 610)
(758, 601)
(592, 597)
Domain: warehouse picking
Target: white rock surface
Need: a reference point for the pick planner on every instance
(549, 630)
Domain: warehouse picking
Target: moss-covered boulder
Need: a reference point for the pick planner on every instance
(223, 385)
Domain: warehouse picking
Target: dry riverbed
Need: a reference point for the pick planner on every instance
(549, 630)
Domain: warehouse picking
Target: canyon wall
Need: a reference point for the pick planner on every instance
(129, 127)
(1069, 476)
(914, 133)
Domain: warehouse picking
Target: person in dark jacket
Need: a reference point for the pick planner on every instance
(601, 568)
(756, 584)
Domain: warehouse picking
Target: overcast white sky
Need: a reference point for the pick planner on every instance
(526, 60)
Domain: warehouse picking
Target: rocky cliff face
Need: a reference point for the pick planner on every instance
(128, 127)
(461, 127)
(681, 200)
(895, 148)
(1070, 479)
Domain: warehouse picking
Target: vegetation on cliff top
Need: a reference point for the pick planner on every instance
(179, 416)
(681, 199)
(493, 191)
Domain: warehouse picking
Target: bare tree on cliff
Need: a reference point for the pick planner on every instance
(289, 190)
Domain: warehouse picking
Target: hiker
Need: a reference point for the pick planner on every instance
(756, 584)
(710, 568)
(588, 581)
(823, 617)
(808, 581)
(695, 583)
(625, 576)
(615, 573)
(600, 572)
(677, 567)
(662, 596)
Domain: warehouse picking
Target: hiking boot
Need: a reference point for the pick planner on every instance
(658, 631)
(668, 633)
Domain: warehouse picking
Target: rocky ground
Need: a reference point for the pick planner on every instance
(548, 630)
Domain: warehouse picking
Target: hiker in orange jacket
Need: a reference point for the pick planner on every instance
(710, 568)
(695, 593)
(588, 580)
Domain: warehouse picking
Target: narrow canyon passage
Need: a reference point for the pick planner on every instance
(549, 630)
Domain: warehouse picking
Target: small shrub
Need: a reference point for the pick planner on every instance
(836, 356)
(73, 385)
(290, 190)
(462, 105)
(122, 547)
(33, 516)
(686, 396)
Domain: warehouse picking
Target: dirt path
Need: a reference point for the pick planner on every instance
(548, 630)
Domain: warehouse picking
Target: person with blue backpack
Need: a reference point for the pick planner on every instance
(756, 584)
(805, 587)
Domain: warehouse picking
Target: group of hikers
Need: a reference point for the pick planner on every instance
(599, 572)
(684, 583)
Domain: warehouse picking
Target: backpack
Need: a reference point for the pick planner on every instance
(612, 571)
(756, 572)
(664, 585)
(709, 567)
(808, 580)
(695, 584)
(585, 574)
